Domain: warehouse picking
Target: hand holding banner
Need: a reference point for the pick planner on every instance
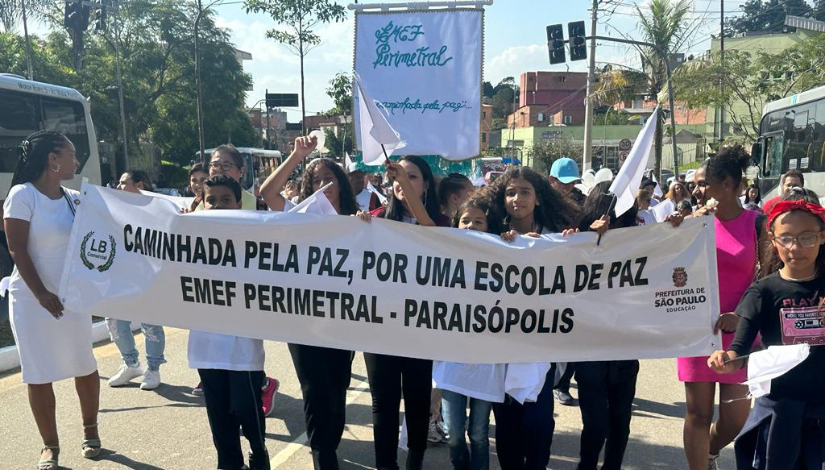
(394, 288)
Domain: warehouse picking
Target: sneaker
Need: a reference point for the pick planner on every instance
(198, 390)
(439, 426)
(712, 465)
(564, 398)
(151, 380)
(126, 374)
(433, 435)
(268, 392)
(258, 462)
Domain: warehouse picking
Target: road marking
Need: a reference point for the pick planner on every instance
(300, 442)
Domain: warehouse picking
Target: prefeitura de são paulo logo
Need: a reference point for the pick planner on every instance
(680, 277)
(98, 252)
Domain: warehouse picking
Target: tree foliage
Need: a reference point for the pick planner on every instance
(299, 19)
(751, 81)
(157, 54)
(769, 16)
(340, 90)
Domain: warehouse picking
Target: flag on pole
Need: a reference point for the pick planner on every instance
(627, 181)
(316, 204)
(348, 165)
(374, 130)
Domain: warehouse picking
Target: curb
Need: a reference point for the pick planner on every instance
(9, 359)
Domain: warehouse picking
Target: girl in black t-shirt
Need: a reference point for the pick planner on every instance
(785, 428)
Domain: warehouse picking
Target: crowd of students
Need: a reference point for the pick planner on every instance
(768, 262)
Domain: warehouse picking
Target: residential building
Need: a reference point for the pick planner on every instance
(550, 98)
(486, 125)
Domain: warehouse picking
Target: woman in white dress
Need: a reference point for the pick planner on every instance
(53, 344)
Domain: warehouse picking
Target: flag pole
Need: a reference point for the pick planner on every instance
(613, 199)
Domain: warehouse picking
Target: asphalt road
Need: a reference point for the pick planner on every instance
(167, 428)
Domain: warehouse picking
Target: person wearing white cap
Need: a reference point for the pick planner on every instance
(564, 174)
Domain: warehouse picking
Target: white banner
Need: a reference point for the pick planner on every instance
(395, 288)
(424, 67)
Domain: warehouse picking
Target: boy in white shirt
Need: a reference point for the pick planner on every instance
(231, 369)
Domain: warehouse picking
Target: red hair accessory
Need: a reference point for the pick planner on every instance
(786, 206)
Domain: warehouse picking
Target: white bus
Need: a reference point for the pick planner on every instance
(26, 107)
(259, 164)
(792, 137)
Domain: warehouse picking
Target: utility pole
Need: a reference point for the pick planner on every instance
(722, 80)
(28, 42)
(120, 87)
(587, 158)
(199, 90)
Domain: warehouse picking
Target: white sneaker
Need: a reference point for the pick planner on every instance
(712, 465)
(151, 380)
(125, 375)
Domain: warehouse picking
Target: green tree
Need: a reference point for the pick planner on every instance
(340, 90)
(760, 16)
(300, 18)
(750, 81)
(343, 142)
(665, 25)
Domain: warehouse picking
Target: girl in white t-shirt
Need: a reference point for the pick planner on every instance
(524, 429)
(478, 385)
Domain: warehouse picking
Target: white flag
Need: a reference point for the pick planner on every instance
(348, 165)
(316, 204)
(627, 181)
(764, 366)
(374, 130)
(380, 196)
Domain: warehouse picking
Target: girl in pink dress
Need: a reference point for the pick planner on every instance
(736, 252)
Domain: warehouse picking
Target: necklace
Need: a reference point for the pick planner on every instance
(810, 278)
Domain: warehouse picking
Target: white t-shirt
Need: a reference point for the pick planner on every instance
(480, 381)
(363, 199)
(217, 351)
(645, 217)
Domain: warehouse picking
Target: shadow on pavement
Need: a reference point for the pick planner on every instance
(652, 408)
(121, 459)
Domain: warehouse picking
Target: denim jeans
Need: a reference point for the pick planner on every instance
(121, 333)
(454, 410)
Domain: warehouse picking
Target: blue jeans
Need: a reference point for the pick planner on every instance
(121, 333)
(454, 409)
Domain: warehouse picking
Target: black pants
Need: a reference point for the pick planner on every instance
(564, 380)
(606, 392)
(324, 374)
(524, 432)
(388, 375)
(233, 400)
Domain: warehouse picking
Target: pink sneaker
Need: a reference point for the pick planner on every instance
(268, 392)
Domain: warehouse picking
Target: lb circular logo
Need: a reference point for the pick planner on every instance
(98, 252)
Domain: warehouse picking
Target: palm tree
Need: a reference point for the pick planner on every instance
(664, 24)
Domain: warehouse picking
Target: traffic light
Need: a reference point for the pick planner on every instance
(76, 16)
(578, 45)
(100, 17)
(555, 42)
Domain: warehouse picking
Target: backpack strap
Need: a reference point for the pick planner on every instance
(761, 244)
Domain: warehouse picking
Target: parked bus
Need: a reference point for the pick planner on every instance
(259, 164)
(27, 106)
(792, 137)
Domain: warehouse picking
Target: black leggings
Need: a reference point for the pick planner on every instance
(606, 392)
(324, 374)
(233, 399)
(524, 432)
(388, 375)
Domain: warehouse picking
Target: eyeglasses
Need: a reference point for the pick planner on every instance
(225, 166)
(805, 240)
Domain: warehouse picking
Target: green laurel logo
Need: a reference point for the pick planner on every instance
(99, 251)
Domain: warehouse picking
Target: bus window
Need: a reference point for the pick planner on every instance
(18, 119)
(817, 153)
(69, 119)
(773, 154)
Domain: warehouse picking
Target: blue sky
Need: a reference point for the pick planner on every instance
(515, 42)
